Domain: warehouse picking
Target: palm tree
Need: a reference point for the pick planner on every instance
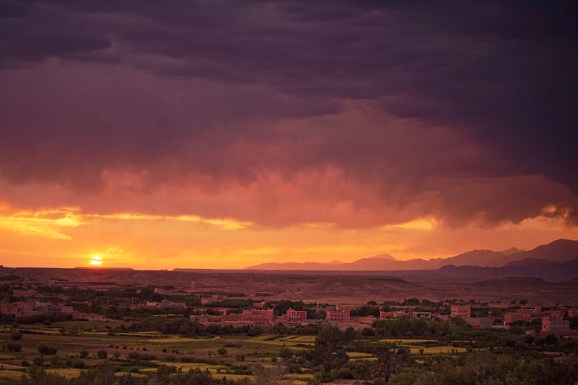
(387, 364)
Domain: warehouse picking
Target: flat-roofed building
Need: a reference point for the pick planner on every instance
(296, 315)
(396, 314)
(525, 314)
(257, 315)
(555, 325)
(462, 311)
(338, 316)
(573, 312)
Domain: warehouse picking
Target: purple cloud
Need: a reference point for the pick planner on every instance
(393, 94)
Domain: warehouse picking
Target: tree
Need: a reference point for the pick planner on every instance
(38, 376)
(351, 335)
(285, 354)
(255, 331)
(328, 350)
(272, 375)
(163, 374)
(78, 363)
(388, 363)
(14, 347)
(45, 349)
(102, 374)
(16, 335)
(102, 354)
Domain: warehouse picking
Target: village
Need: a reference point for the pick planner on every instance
(233, 309)
(56, 327)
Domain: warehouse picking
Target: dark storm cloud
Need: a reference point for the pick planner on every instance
(33, 32)
(499, 74)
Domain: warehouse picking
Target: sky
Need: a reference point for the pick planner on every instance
(223, 134)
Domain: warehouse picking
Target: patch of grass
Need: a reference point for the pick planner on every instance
(66, 372)
(436, 349)
(354, 355)
(168, 340)
(11, 375)
(124, 374)
(185, 367)
(406, 341)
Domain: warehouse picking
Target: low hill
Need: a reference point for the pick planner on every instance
(557, 251)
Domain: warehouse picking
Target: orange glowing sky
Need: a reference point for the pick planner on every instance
(264, 132)
(68, 237)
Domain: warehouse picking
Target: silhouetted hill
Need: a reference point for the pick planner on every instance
(528, 262)
(512, 250)
(525, 268)
(476, 258)
(557, 251)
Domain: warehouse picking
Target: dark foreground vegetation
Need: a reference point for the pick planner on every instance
(397, 352)
(140, 345)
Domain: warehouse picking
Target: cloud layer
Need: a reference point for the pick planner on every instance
(352, 113)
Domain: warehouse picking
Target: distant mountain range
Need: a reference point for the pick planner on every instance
(550, 255)
(537, 268)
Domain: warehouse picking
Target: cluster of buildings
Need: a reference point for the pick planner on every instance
(32, 308)
(527, 314)
(250, 317)
(552, 320)
(164, 304)
(267, 319)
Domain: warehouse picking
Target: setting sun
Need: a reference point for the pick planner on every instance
(96, 260)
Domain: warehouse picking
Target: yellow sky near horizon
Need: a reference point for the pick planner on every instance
(68, 237)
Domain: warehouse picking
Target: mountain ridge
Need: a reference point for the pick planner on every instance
(560, 250)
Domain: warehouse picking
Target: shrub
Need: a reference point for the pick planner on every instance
(14, 347)
(133, 356)
(253, 332)
(78, 364)
(16, 335)
(55, 360)
(46, 350)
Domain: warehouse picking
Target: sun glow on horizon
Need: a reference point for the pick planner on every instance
(96, 260)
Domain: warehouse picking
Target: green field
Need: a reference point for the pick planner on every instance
(164, 349)
(234, 356)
